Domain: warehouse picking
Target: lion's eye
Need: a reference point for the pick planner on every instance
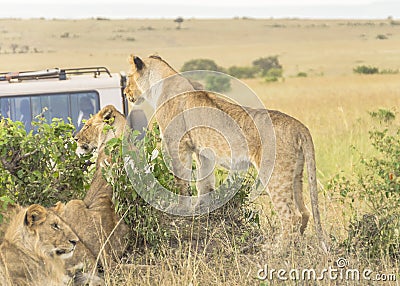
(55, 226)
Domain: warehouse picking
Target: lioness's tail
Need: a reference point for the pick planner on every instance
(309, 155)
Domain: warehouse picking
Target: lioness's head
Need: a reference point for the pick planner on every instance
(145, 73)
(54, 237)
(131, 90)
(93, 134)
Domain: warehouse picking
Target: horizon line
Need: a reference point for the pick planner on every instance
(108, 18)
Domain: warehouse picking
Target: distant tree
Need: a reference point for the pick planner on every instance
(366, 70)
(218, 83)
(302, 74)
(273, 74)
(65, 35)
(179, 21)
(267, 63)
(24, 49)
(14, 48)
(382, 37)
(200, 64)
(242, 72)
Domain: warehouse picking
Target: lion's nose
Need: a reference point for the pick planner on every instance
(73, 242)
(85, 146)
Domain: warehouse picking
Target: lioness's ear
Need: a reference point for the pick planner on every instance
(58, 207)
(107, 112)
(139, 64)
(35, 215)
(131, 59)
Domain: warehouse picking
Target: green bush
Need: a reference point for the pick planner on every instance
(267, 63)
(268, 67)
(375, 232)
(374, 70)
(218, 83)
(366, 70)
(302, 74)
(151, 228)
(42, 166)
(242, 72)
(201, 64)
(5, 201)
(383, 115)
(271, 79)
(275, 72)
(382, 37)
(142, 218)
(273, 75)
(389, 71)
(394, 23)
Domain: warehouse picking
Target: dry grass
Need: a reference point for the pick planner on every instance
(335, 109)
(332, 101)
(216, 249)
(210, 252)
(316, 47)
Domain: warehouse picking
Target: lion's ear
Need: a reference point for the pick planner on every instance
(58, 207)
(35, 215)
(131, 59)
(107, 113)
(139, 64)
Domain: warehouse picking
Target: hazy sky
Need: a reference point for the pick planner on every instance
(205, 2)
(199, 8)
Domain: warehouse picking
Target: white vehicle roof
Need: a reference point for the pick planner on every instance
(69, 94)
(99, 79)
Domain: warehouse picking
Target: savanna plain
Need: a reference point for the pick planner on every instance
(318, 86)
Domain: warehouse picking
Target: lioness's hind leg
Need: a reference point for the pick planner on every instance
(183, 186)
(182, 169)
(205, 181)
(281, 192)
(298, 193)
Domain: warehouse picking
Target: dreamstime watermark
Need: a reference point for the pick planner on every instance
(172, 103)
(340, 272)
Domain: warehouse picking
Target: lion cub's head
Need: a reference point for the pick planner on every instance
(45, 231)
(93, 134)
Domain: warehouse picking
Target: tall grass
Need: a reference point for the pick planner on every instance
(335, 109)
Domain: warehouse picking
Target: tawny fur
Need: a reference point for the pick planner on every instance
(93, 219)
(7, 213)
(34, 248)
(294, 145)
(96, 211)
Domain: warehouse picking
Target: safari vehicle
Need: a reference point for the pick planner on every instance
(74, 93)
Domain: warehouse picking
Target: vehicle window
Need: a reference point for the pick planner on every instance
(78, 106)
(23, 111)
(4, 107)
(86, 106)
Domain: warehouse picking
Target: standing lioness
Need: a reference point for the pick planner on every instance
(178, 105)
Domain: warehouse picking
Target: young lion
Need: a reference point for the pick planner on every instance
(34, 248)
(173, 96)
(96, 211)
